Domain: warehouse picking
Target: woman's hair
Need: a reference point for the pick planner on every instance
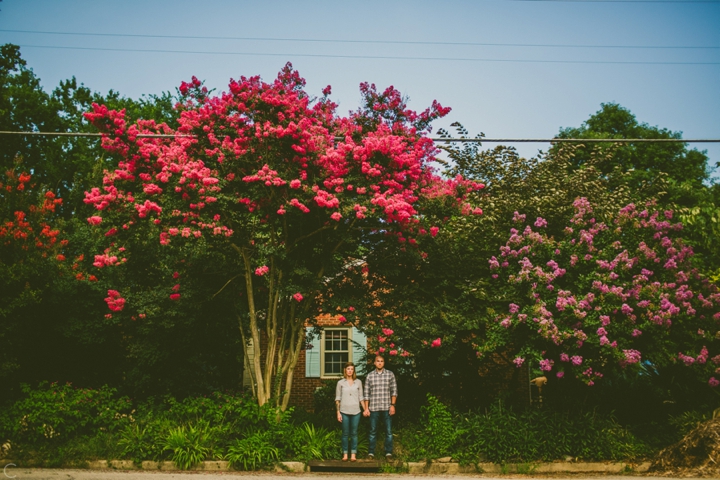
(349, 364)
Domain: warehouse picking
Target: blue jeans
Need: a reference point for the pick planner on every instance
(350, 432)
(387, 419)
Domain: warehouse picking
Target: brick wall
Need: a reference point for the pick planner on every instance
(303, 389)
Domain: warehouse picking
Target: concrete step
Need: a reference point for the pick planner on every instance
(362, 465)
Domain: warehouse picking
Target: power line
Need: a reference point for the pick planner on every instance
(435, 139)
(380, 42)
(621, 1)
(575, 140)
(83, 134)
(369, 57)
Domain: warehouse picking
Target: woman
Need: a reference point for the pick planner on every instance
(348, 395)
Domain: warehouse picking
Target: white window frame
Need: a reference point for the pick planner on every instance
(349, 332)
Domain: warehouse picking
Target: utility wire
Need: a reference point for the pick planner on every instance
(621, 1)
(83, 134)
(435, 139)
(576, 140)
(380, 42)
(254, 54)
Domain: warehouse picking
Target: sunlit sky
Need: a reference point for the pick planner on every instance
(508, 68)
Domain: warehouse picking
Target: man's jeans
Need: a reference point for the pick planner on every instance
(350, 431)
(375, 418)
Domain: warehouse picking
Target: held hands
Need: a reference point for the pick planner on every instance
(366, 413)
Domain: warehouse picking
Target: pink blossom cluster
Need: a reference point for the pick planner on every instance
(624, 283)
(114, 301)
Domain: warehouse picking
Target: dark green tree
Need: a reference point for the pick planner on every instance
(65, 165)
(644, 160)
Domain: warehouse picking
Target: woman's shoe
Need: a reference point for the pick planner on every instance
(344, 459)
(352, 458)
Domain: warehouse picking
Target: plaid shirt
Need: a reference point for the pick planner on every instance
(379, 387)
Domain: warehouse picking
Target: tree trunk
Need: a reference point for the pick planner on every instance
(284, 337)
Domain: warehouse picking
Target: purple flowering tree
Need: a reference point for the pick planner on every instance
(605, 298)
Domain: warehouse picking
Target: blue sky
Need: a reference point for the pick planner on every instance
(542, 64)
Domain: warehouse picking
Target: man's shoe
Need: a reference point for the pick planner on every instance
(388, 456)
(371, 456)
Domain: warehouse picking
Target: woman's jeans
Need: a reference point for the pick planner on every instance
(350, 432)
(375, 417)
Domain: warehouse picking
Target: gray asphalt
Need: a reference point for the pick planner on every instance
(69, 474)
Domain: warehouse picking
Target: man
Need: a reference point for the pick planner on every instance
(379, 399)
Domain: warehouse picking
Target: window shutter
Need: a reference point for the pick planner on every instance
(312, 355)
(359, 351)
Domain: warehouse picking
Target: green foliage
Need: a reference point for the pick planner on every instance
(324, 401)
(188, 445)
(138, 443)
(687, 421)
(644, 160)
(57, 424)
(253, 452)
(53, 413)
(501, 435)
(440, 430)
(314, 443)
(62, 164)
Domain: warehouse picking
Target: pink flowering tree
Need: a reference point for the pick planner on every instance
(280, 194)
(604, 298)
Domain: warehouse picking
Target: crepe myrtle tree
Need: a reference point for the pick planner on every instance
(604, 298)
(32, 255)
(31, 243)
(281, 187)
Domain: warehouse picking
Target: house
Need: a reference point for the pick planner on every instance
(326, 352)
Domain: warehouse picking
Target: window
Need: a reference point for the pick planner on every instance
(335, 352)
(325, 356)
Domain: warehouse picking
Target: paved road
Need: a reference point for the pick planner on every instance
(68, 474)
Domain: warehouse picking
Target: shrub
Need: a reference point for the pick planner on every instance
(440, 430)
(52, 414)
(188, 445)
(138, 443)
(501, 435)
(253, 452)
(314, 443)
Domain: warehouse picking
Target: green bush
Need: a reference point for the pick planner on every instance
(138, 443)
(501, 435)
(440, 427)
(53, 414)
(309, 442)
(686, 421)
(57, 425)
(253, 452)
(188, 445)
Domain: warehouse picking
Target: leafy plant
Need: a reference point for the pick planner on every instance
(138, 443)
(314, 443)
(253, 452)
(188, 445)
(53, 414)
(439, 427)
(501, 435)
